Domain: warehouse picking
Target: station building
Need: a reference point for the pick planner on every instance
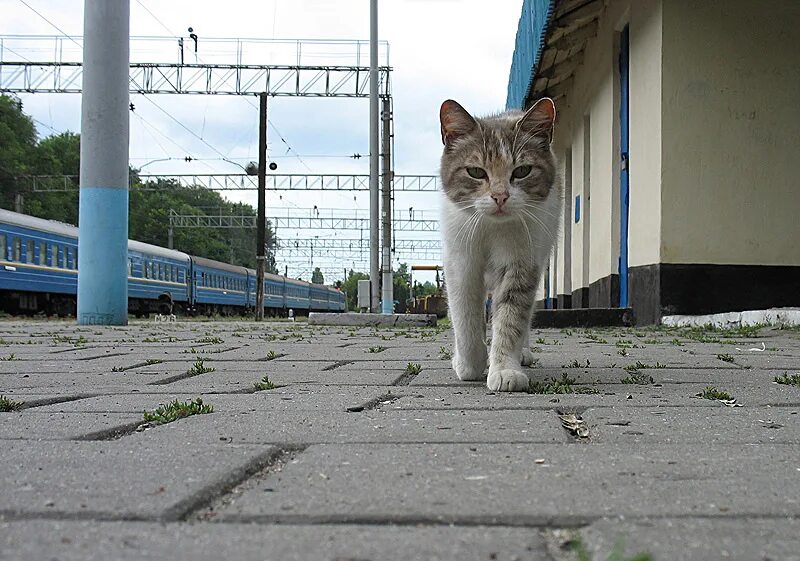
(678, 136)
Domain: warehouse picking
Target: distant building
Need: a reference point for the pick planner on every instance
(678, 134)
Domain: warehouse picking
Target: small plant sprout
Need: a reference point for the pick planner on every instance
(272, 355)
(413, 368)
(7, 405)
(12, 356)
(199, 367)
(166, 413)
(793, 380)
(152, 361)
(637, 377)
(725, 357)
(576, 364)
(713, 393)
(553, 386)
(376, 349)
(445, 354)
(264, 384)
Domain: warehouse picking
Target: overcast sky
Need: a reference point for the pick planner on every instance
(438, 49)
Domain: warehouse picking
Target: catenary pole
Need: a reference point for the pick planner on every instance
(374, 240)
(261, 221)
(387, 291)
(103, 201)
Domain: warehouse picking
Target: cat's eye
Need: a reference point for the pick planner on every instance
(521, 171)
(476, 173)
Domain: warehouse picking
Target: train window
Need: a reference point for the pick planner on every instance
(53, 255)
(2, 246)
(16, 245)
(42, 253)
(63, 260)
(75, 257)
(29, 251)
(130, 267)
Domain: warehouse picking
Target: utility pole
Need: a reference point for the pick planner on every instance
(103, 207)
(387, 292)
(261, 221)
(373, 158)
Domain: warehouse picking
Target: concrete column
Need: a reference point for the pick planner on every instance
(374, 238)
(103, 210)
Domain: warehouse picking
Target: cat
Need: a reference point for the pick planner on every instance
(500, 215)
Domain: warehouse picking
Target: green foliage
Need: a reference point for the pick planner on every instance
(376, 349)
(7, 405)
(553, 386)
(413, 368)
(725, 357)
(21, 155)
(264, 384)
(177, 410)
(350, 288)
(713, 393)
(199, 367)
(317, 277)
(793, 380)
(636, 377)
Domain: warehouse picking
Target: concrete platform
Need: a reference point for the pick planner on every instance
(373, 320)
(356, 457)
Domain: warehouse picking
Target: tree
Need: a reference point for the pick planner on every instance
(317, 276)
(17, 149)
(350, 287)
(401, 283)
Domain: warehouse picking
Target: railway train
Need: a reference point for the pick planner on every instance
(39, 273)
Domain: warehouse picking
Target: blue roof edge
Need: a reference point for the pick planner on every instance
(531, 30)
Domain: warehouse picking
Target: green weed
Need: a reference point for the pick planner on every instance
(7, 405)
(177, 410)
(713, 393)
(793, 380)
(264, 384)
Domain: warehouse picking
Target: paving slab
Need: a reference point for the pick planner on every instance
(698, 539)
(30, 424)
(285, 399)
(93, 541)
(121, 479)
(368, 426)
(450, 482)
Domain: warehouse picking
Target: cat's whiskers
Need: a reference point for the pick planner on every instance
(528, 231)
(541, 209)
(464, 227)
(474, 229)
(539, 221)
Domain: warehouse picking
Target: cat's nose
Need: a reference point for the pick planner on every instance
(500, 198)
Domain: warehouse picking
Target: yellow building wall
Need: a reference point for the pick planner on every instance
(731, 132)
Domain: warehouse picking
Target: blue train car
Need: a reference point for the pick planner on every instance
(274, 293)
(336, 302)
(318, 298)
(38, 264)
(158, 279)
(218, 287)
(297, 295)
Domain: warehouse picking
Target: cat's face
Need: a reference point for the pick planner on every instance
(499, 166)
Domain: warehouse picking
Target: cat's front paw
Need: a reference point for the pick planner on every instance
(527, 358)
(507, 380)
(471, 367)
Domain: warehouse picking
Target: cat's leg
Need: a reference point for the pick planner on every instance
(514, 298)
(527, 356)
(466, 303)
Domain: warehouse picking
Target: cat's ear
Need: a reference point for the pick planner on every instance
(539, 119)
(455, 121)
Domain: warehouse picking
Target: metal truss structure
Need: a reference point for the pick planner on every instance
(349, 254)
(244, 182)
(209, 79)
(298, 223)
(356, 244)
(301, 73)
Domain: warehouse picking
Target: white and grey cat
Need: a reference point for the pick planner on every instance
(500, 216)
